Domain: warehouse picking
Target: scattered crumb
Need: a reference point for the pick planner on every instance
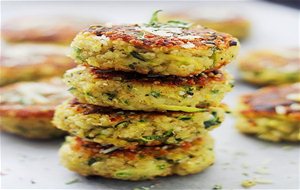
(263, 181)
(262, 170)
(141, 188)
(72, 181)
(32, 182)
(245, 174)
(217, 187)
(248, 183)
(144, 188)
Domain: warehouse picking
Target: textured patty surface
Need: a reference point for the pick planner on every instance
(143, 163)
(165, 49)
(223, 21)
(272, 113)
(27, 108)
(43, 29)
(32, 62)
(129, 128)
(132, 91)
(268, 67)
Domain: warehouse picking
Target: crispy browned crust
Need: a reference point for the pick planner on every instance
(198, 80)
(116, 114)
(264, 101)
(154, 151)
(131, 34)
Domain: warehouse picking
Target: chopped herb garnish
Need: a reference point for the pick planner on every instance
(89, 94)
(72, 181)
(137, 55)
(158, 137)
(161, 167)
(154, 18)
(91, 161)
(131, 66)
(189, 90)
(122, 124)
(126, 102)
(215, 91)
(154, 94)
(214, 121)
(71, 89)
(184, 118)
(122, 174)
(217, 187)
(179, 24)
(110, 95)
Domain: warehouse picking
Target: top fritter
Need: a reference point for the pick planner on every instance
(155, 48)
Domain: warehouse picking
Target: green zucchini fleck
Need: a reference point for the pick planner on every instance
(137, 55)
(212, 122)
(184, 117)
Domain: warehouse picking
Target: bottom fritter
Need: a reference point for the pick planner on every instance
(272, 129)
(142, 163)
(34, 128)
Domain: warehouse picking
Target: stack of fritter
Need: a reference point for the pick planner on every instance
(146, 97)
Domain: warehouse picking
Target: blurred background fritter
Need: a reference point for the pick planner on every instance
(214, 18)
(29, 62)
(27, 108)
(271, 113)
(271, 67)
(56, 29)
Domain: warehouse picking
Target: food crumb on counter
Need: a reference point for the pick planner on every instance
(217, 187)
(248, 183)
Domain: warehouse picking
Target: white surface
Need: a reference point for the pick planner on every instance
(34, 164)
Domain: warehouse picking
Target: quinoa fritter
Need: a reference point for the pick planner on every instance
(60, 30)
(268, 67)
(226, 22)
(271, 113)
(32, 61)
(27, 108)
(164, 49)
(132, 91)
(129, 129)
(88, 158)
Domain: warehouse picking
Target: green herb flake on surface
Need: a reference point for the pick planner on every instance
(72, 181)
(217, 187)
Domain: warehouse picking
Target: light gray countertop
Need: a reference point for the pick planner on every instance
(29, 164)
